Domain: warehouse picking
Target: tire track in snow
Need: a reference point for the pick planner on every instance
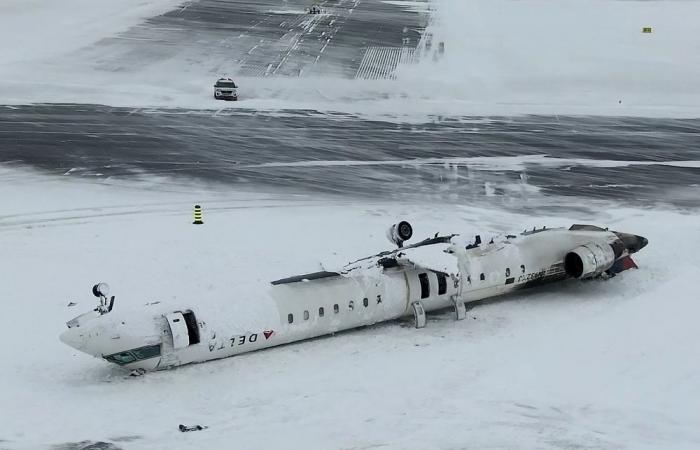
(80, 216)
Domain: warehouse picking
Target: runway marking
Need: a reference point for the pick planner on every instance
(293, 53)
(382, 62)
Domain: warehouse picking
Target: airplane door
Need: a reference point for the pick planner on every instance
(178, 329)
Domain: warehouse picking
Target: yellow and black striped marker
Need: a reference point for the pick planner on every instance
(198, 215)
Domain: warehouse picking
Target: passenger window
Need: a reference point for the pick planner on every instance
(290, 318)
(365, 302)
(320, 312)
(442, 283)
(336, 308)
(351, 305)
(508, 272)
(424, 285)
(482, 277)
(306, 315)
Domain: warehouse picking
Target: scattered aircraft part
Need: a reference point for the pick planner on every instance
(437, 273)
(185, 428)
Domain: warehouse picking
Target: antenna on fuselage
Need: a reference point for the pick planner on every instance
(101, 291)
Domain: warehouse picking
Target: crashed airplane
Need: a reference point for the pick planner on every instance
(434, 274)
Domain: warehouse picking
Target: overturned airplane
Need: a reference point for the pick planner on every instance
(437, 273)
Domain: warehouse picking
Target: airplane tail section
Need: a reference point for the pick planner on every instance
(623, 264)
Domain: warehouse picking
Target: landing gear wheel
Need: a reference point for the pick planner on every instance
(404, 230)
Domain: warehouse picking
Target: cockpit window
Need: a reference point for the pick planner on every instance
(146, 352)
(137, 354)
(121, 358)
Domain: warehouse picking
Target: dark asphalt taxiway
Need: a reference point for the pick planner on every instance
(462, 160)
(467, 159)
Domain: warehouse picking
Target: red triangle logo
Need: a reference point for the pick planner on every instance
(268, 333)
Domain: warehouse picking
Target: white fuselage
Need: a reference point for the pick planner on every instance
(364, 293)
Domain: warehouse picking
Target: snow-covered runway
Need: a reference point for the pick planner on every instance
(261, 38)
(174, 58)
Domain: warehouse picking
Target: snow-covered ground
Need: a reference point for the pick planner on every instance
(575, 56)
(34, 31)
(610, 364)
(501, 57)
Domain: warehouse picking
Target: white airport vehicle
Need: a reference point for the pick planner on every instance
(225, 89)
(412, 280)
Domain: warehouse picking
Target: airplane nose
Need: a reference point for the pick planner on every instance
(642, 242)
(72, 337)
(632, 242)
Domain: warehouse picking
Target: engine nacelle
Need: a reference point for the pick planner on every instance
(588, 261)
(399, 232)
